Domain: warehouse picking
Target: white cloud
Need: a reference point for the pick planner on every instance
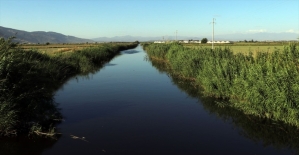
(291, 30)
(257, 31)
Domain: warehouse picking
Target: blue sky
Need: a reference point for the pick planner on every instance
(150, 18)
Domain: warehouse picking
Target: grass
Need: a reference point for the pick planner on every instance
(56, 49)
(243, 48)
(53, 49)
(264, 85)
(29, 78)
(270, 133)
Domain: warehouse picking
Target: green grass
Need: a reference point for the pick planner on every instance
(243, 48)
(264, 84)
(53, 49)
(28, 80)
(270, 133)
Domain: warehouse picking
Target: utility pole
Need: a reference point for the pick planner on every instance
(213, 33)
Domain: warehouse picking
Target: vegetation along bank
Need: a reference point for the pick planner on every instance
(29, 79)
(261, 84)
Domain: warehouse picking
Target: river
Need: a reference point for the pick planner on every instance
(131, 107)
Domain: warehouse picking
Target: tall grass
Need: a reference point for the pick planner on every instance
(28, 80)
(270, 133)
(265, 85)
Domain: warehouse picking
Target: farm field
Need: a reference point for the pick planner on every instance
(53, 49)
(245, 47)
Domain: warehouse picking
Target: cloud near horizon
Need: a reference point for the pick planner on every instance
(257, 31)
(292, 31)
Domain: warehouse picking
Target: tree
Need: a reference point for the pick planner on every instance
(204, 40)
(47, 43)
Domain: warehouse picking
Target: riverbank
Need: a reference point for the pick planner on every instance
(264, 85)
(28, 80)
(257, 129)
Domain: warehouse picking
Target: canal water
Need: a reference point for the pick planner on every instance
(133, 107)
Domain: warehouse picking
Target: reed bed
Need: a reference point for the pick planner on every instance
(28, 80)
(265, 85)
(270, 133)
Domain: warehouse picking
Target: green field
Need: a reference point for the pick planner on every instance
(245, 47)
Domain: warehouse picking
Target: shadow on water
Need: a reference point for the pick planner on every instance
(269, 133)
(129, 52)
(35, 145)
(109, 64)
(48, 111)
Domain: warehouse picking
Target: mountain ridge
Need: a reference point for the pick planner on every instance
(39, 36)
(54, 37)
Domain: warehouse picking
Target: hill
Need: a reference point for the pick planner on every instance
(39, 36)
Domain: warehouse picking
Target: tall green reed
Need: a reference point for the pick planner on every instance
(264, 85)
(28, 80)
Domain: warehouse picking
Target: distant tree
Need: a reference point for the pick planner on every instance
(204, 40)
(47, 43)
(245, 41)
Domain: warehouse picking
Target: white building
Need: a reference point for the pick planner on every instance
(219, 42)
(195, 41)
(189, 41)
(159, 42)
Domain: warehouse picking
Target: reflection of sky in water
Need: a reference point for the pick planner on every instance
(131, 108)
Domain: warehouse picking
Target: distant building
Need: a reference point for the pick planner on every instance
(159, 42)
(189, 41)
(220, 42)
(195, 41)
(184, 41)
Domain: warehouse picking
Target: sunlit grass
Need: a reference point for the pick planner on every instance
(262, 83)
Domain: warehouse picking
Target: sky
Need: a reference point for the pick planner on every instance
(150, 18)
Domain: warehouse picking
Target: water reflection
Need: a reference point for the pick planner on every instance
(270, 133)
(129, 52)
(109, 64)
(47, 115)
(33, 145)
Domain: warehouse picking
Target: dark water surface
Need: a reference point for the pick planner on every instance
(130, 107)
